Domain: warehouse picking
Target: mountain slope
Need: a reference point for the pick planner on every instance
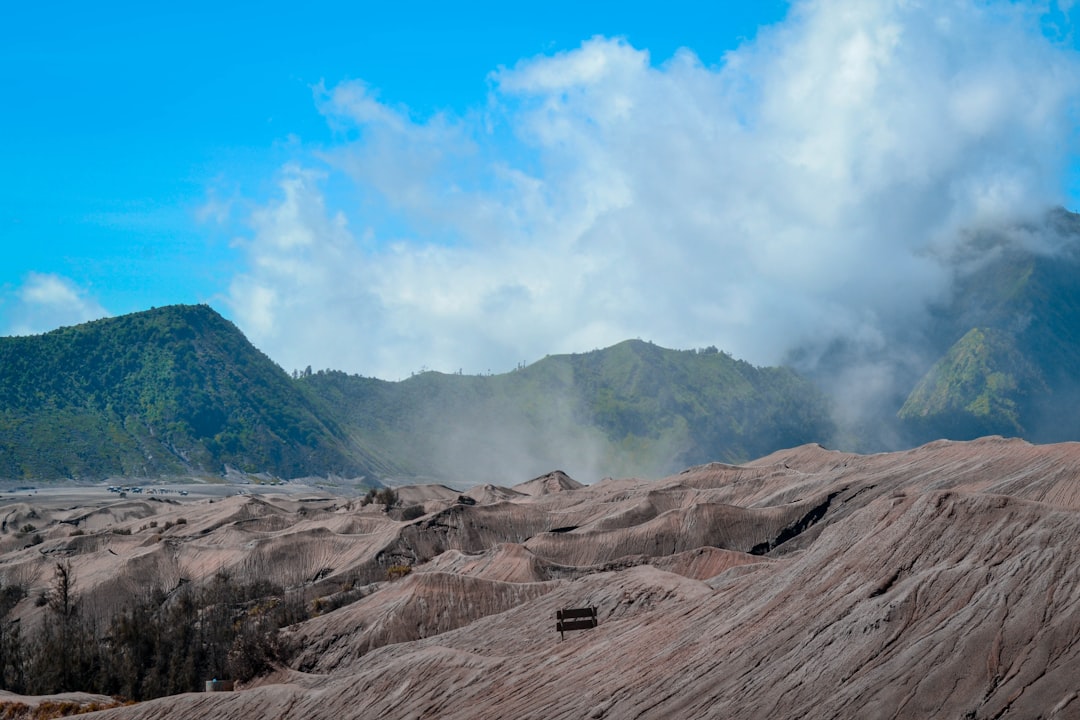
(166, 391)
(179, 390)
(1010, 340)
(980, 387)
(634, 408)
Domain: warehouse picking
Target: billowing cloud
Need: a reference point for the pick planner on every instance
(45, 301)
(806, 189)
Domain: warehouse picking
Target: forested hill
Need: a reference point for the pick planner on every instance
(1008, 341)
(631, 409)
(179, 390)
(174, 390)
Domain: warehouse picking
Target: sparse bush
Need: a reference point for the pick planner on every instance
(49, 709)
(347, 596)
(264, 607)
(369, 498)
(77, 532)
(255, 649)
(10, 595)
(14, 710)
(181, 521)
(387, 497)
(226, 627)
(121, 531)
(27, 529)
(397, 571)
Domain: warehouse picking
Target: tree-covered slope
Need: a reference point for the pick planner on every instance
(1010, 341)
(980, 387)
(171, 390)
(634, 408)
(179, 390)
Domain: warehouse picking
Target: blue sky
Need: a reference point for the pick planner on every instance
(382, 187)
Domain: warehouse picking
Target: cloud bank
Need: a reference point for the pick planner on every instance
(804, 190)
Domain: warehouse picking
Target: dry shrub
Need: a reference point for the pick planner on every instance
(49, 709)
(24, 575)
(397, 571)
(14, 710)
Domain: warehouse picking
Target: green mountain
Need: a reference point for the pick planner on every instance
(175, 390)
(632, 409)
(981, 386)
(1009, 339)
(179, 390)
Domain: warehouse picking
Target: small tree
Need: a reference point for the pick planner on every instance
(64, 643)
(387, 497)
(11, 643)
(12, 656)
(369, 498)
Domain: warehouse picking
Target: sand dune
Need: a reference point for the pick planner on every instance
(942, 581)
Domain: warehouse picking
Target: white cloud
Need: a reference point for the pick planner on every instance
(798, 192)
(46, 301)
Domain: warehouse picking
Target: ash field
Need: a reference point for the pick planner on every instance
(942, 581)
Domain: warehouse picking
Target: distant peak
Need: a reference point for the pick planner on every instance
(553, 482)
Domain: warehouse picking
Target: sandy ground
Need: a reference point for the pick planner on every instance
(943, 581)
(65, 495)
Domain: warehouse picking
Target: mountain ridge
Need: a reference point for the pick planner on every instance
(1008, 340)
(180, 391)
(634, 408)
(168, 391)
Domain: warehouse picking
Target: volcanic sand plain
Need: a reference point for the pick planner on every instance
(942, 581)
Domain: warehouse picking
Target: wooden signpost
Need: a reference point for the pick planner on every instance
(575, 619)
